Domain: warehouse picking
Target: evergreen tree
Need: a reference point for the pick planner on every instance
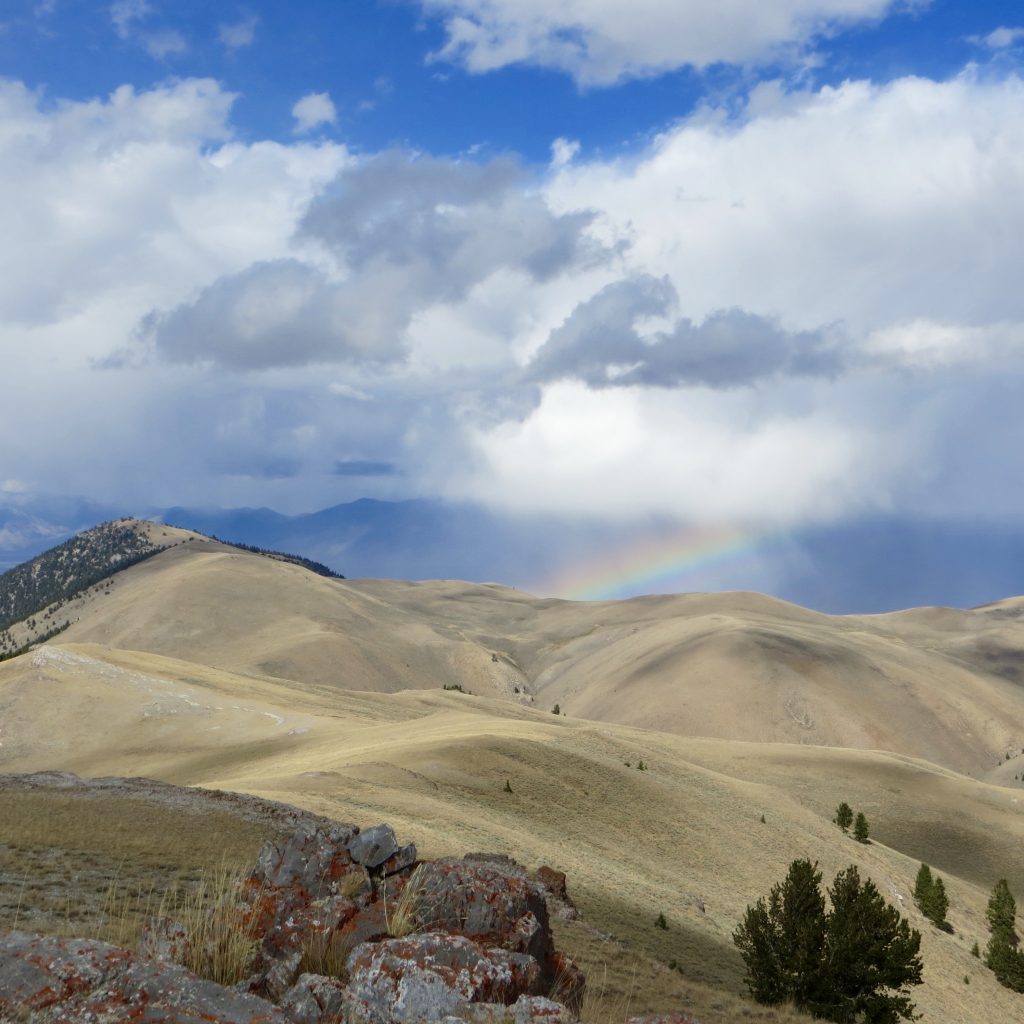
(871, 956)
(781, 939)
(923, 887)
(1002, 955)
(844, 816)
(936, 905)
(860, 828)
(853, 964)
(1002, 912)
(930, 897)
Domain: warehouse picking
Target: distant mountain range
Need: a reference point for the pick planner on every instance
(868, 565)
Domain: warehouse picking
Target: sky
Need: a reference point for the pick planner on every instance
(751, 266)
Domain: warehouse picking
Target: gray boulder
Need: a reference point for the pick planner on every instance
(429, 977)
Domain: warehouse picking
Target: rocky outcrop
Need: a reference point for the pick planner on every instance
(346, 927)
(52, 980)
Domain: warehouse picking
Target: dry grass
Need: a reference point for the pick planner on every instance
(403, 919)
(221, 937)
(326, 954)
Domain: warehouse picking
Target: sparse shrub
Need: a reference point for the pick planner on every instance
(641, 767)
(556, 710)
(844, 816)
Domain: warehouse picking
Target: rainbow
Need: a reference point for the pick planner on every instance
(684, 559)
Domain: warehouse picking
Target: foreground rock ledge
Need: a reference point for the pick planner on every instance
(452, 940)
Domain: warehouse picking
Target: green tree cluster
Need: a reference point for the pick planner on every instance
(1002, 954)
(930, 897)
(854, 962)
(844, 819)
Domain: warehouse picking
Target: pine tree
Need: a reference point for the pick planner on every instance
(860, 828)
(937, 904)
(930, 897)
(855, 963)
(844, 816)
(871, 956)
(1002, 912)
(781, 939)
(923, 887)
(1002, 955)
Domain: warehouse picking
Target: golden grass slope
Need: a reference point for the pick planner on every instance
(939, 684)
(635, 843)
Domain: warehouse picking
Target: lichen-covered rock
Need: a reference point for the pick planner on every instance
(312, 860)
(568, 984)
(554, 883)
(492, 902)
(373, 846)
(70, 981)
(429, 977)
(314, 999)
(664, 1018)
(525, 1010)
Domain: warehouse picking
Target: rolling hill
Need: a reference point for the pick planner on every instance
(209, 666)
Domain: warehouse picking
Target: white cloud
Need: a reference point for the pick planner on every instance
(600, 42)
(863, 205)
(128, 17)
(999, 39)
(239, 34)
(563, 151)
(166, 42)
(843, 263)
(126, 14)
(595, 454)
(313, 110)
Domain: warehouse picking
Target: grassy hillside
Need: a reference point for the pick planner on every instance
(684, 834)
(933, 684)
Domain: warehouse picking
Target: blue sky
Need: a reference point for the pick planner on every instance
(750, 265)
(375, 59)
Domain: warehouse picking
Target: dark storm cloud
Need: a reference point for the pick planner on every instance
(405, 234)
(601, 344)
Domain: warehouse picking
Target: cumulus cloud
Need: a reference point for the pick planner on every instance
(863, 204)
(599, 43)
(601, 343)
(808, 309)
(403, 234)
(590, 454)
(280, 313)
(312, 111)
(238, 34)
(114, 206)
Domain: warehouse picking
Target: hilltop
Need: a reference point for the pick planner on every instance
(35, 595)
